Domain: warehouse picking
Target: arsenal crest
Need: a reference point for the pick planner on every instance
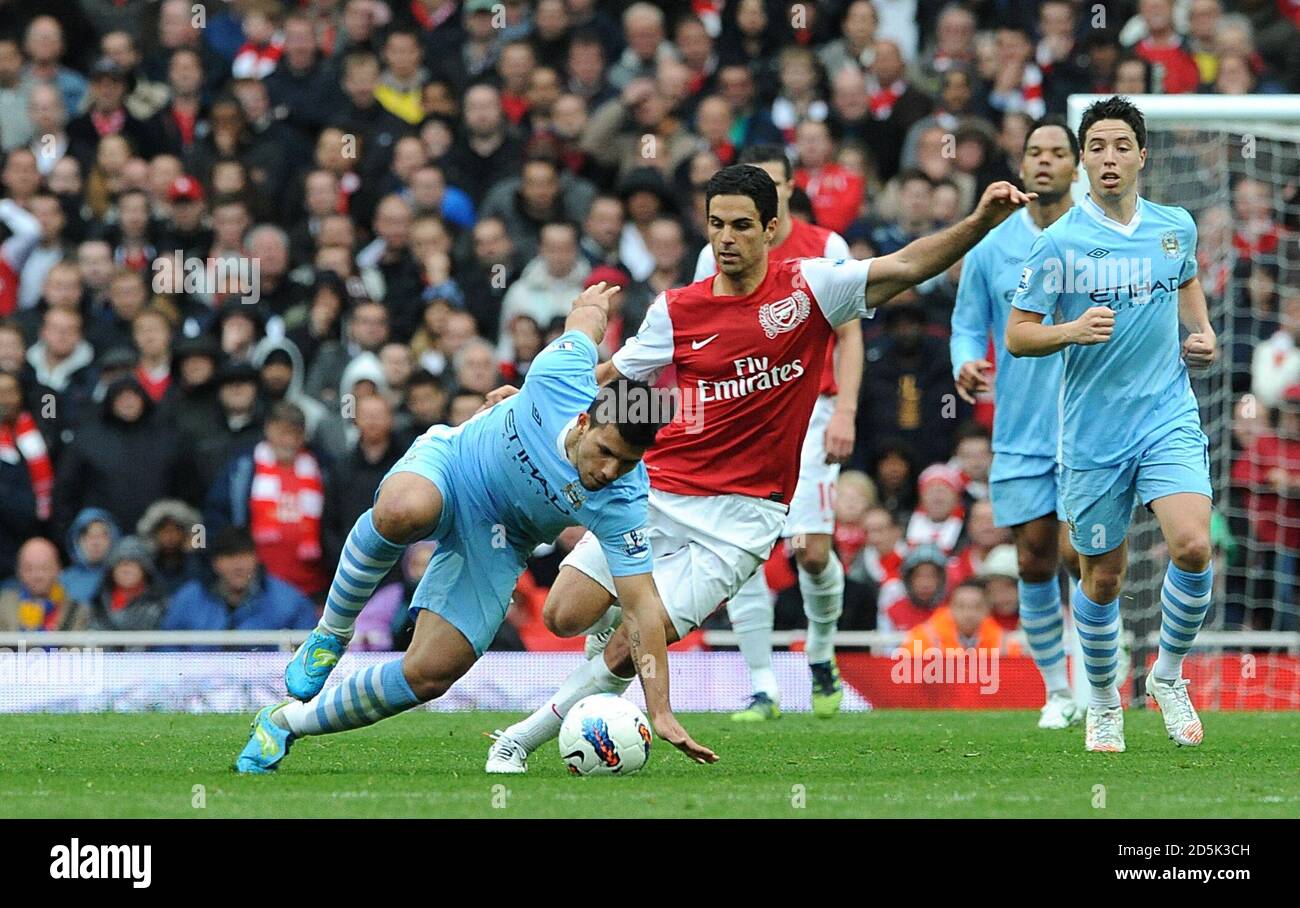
(1169, 244)
(784, 315)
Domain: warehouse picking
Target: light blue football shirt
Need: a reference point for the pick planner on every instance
(516, 471)
(1022, 424)
(1116, 397)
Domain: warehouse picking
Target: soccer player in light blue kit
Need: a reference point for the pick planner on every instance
(1119, 274)
(559, 453)
(1023, 479)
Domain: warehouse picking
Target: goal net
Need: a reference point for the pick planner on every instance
(1234, 163)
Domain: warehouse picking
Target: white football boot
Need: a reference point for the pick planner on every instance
(1181, 720)
(1105, 730)
(506, 756)
(1060, 711)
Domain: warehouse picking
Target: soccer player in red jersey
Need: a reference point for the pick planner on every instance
(811, 521)
(749, 346)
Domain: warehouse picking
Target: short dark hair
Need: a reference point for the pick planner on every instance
(632, 406)
(1140, 61)
(914, 173)
(972, 429)
(1058, 121)
(764, 153)
(233, 540)
(424, 377)
(744, 179)
(979, 584)
(1114, 108)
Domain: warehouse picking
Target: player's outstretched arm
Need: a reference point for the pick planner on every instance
(1028, 336)
(1201, 347)
(922, 259)
(643, 616)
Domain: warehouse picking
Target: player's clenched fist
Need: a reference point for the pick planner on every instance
(971, 380)
(1094, 327)
(1200, 350)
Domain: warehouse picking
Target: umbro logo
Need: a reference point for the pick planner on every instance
(697, 345)
(1099, 253)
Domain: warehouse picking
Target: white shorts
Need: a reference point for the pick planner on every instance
(705, 548)
(812, 509)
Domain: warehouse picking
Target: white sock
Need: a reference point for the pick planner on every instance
(592, 677)
(823, 603)
(750, 611)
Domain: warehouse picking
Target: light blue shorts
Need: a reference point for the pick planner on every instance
(1023, 488)
(1099, 503)
(473, 571)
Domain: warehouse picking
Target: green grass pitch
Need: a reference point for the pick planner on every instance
(882, 764)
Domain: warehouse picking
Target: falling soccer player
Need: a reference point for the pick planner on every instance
(749, 346)
(560, 453)
(1119, 274)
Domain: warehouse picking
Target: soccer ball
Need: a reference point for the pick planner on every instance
(605, 735)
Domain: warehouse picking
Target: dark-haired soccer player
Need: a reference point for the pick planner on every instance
(1120, 273)
(810, 524)
(488, 492)
(1022, 483)
(749, 345)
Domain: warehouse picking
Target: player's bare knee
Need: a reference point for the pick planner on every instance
(812, 552)
(814, 563)
(558, 620)
(402, 518)
(1190, 551)
(1035, 566)
(427, 679)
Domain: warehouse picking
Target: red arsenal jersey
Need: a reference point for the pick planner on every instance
(805, 241)
(749, 370)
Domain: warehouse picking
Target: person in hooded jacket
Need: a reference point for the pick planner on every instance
(168, 526)
(280, 366)
(122, 462)
(90, 538)
(129, 598)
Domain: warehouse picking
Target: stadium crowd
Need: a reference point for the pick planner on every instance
(404, 197)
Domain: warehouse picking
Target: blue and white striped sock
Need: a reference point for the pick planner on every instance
(1040, 616)
(1097, 625)
(366, 558)
(362, 698)
(1184, 602)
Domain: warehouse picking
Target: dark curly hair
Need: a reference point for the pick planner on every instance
(747, 180)
(1114, 108)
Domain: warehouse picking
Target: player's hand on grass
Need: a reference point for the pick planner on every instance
(1094, 327)
(971, 380)
(840, 433)
(496, 395)
(1000, 201)
(1200, 350)
(669, 729)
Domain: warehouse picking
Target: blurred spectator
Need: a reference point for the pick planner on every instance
(913, 598)
(44, 48)
(1155, 39)
(356, 476)
(234, 425)
(939, 519)
(277, 491)
(25, 233)
(280, 370)
(907, 389)
(973, 458)
(242, 595)
(965, 623)
(855, 496)
(130, 597)
(484, 154)
(1275, 366)
(90, 471)
(549, 283)
(90, 537)
(982, 536)
(35, 600)
(169, 527)
(540, 196)
(385, 615)
(836, 192)
(1000, 572)
(367, 331)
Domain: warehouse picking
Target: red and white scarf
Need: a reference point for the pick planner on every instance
(882, 100)
(24, 438)
(257, 61)
(285, 501)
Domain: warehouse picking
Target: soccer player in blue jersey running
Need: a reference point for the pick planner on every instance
(1023, 479)
(559, 453)
(1119, 274)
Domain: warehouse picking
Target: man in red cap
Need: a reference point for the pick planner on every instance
(186, 229)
